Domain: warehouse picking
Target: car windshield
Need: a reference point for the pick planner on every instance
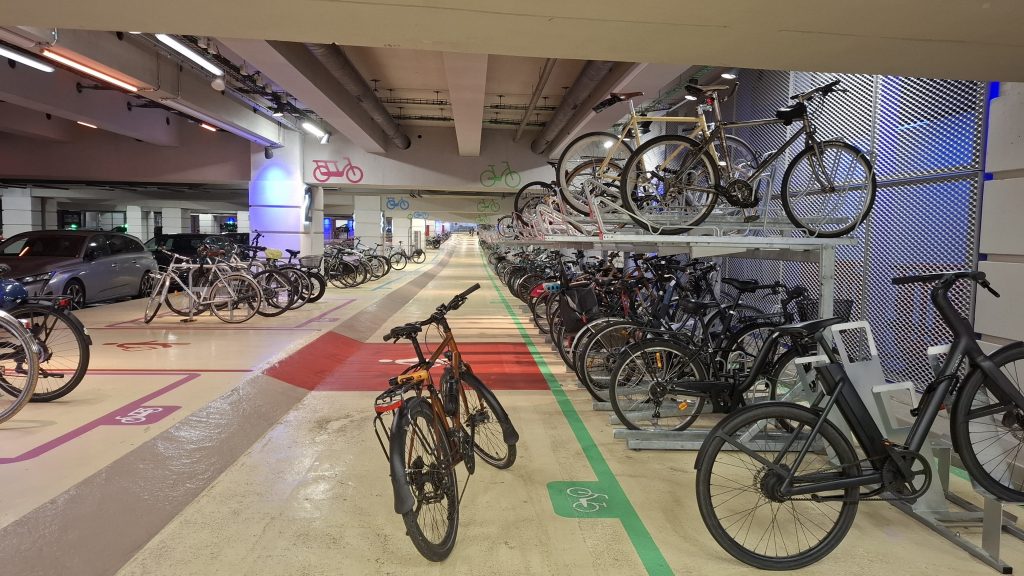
(57, 246)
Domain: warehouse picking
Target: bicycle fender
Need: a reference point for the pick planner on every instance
(404, 500)
(977, 373)
(508, 431)
(721, 423)
(78, 324)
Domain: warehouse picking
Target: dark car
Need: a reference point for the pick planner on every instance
(241, 238)
(86, 265)
(185, 245)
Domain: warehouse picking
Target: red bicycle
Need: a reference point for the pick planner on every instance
(327, 169)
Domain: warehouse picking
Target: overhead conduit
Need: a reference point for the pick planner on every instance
(333, 58)
(594, 71)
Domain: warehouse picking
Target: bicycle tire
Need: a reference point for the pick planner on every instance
(597, 358)
(630, 392)
(680, 206)
(61, 370)
(585, 335)
(398, 260)
(758, 419)
(797, 213)
(408, 476)
(483, 412)
(419, 256)
(17, 347)
(976, 414)
(155, 300)
(530, 195)
(303, 286)
(273, 285)
(588, 149)
(244, 296)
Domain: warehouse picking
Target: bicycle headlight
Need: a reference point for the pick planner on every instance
(36, 278)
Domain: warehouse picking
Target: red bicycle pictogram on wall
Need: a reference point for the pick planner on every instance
(326, 169)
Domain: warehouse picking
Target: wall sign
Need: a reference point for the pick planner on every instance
(401, 204)
(507, 176)
(325, 170)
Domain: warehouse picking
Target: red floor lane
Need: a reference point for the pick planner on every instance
(334, 362)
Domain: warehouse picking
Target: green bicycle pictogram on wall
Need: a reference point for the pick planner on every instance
(491, 177)
(488, 205)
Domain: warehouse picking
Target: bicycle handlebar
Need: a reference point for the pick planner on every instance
(412, 328)
(824, 90)
(946, 279)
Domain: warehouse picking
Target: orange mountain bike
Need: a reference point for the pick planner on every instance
(433, 428)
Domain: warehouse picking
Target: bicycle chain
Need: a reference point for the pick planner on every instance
(867, 498)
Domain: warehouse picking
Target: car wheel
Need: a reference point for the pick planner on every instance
(147, 283)
(76, 291)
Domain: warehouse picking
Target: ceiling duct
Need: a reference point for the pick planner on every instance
(333, 58)
(594, 71)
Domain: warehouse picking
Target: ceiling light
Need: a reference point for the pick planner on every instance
(218, 84)
(207, 127)
(313, 130)
(729, 75)
(90, 71)
(85, 124)
(325, 138)
(135, 32)
(690, 97)
(190, 54)
(27, 61)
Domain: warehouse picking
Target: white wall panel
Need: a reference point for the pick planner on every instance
(1002, 231)
(1003, 317)
(1006, 129)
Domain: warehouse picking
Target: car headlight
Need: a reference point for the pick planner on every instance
(37, 278)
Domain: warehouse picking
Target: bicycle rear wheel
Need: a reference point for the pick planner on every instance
(419, 449)
(277, 290)
(235, 298)
(830, 194)
(19, 367)
(398, 260)
(419, 256)
(647, 383)
(64, 350)
(582, 160)
(989, 433)
(155, 300)
(742, 468)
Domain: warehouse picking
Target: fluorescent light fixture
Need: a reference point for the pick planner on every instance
(90, 71)
(312, 129)
(325, 138)
(27, 61)
(85, 124)
(206, 126)
(135, 32)
(690, 97)
(203, 117)
(729, 75)
(190, 54)
(277, 113)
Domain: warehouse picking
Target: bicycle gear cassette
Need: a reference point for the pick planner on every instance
(741, 194)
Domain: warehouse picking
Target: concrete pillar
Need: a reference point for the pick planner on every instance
(21, 212)
(368, 219)
(278, 197)
(316, 222)
(400, 230)
(207, 225)
(419, 225)
(243, 220)
(149, 222)
(49, 215)
(135, 223)
(176, 220)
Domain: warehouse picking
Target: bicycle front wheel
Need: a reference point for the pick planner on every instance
(487, 421)
(744, 465)
(582, 160)
(419, 256)
(19, 367)
(155, 300)
(398, 260)
(669, 185)
(829, 189)
(648, 386)
(235, 298)
(63, 348)
(990, 431)
(419, 448)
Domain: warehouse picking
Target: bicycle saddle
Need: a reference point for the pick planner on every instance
(403, 331)
(741, 285)
(292, 252)
(791, 113)
(698, 306)
(623, 96)
(694, 90)
(809, 327)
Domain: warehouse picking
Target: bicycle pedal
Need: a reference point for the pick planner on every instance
(751, 218)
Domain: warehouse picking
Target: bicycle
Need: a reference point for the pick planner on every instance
(232, 297)
(433, 428)
(778, 484)
(491, 177)
(326, 169)
(393, 204)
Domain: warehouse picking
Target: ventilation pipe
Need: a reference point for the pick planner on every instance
(333, 58)
(593, 72)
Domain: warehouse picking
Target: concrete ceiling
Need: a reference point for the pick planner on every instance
(975, 39)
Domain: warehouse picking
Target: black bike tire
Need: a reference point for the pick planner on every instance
(319, 285)
(419, 256)
(713, 447)
(493, 406)
(560, 170)
(583, 372)
(81, 342)
(155, 301)
(398, 261)
(271, 309)
(701, 373)
(787, 208)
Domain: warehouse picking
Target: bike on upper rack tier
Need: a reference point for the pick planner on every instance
(433, 428)
(778, 484)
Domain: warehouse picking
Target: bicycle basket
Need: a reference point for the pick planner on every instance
(310, 261)
(807, 309)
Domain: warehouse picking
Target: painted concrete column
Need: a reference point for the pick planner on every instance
(278, 197)
(176, 220)
(243, 220)
(149, 221)
(316, 222)
(367, 218)
(207, 225)
(400, 231)
(49, 213)
(21, 212)
(135, 223)
(419, 227)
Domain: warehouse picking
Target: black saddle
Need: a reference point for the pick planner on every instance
(741, 285)
(292, 252)
(791, 113)
(809, 328)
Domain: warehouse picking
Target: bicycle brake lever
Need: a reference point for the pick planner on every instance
(992, 290)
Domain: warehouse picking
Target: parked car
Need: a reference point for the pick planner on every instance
(237, 237)
(86, 265)
(185, 244)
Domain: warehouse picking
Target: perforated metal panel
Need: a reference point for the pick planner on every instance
(925, 139)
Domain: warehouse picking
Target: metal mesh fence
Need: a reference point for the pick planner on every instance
(924, 137)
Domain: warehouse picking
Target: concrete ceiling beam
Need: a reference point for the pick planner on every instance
(467, 81)
(21, 122)
(293, 67)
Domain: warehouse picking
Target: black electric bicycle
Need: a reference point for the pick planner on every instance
(778, 484)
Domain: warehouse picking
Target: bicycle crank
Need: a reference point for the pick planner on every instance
(741, 194)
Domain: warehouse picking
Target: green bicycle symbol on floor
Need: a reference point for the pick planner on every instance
(488, 205)
(491, 177)
(393, 204)
(586, 499)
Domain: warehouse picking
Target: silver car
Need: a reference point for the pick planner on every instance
(86, 265)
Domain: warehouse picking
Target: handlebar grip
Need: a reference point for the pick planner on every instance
(470, 290)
